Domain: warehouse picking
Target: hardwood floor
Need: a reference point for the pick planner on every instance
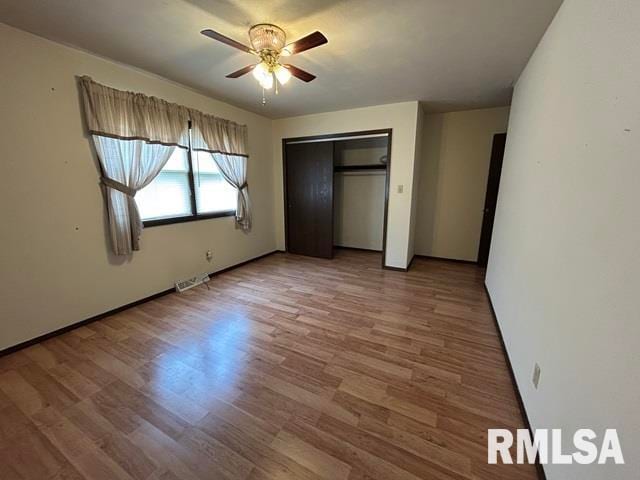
(288, 368)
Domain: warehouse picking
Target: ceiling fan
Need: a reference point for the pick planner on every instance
(268, 43)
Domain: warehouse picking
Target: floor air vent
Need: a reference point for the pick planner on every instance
(188, 283)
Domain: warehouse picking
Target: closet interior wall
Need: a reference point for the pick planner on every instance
(359, 192)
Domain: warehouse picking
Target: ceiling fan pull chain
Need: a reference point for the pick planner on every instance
(264, 99)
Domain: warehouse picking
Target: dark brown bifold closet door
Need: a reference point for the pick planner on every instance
(309, 184)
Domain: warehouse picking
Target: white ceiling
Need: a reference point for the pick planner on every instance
(449, 54)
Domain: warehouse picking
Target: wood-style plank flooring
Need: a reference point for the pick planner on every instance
(288, 368)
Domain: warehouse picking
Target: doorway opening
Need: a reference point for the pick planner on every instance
(491, 197)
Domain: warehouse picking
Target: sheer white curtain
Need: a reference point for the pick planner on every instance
(226, 141)
(127, 166)
(234, 171)
(134, 137)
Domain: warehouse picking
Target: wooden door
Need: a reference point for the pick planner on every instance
(309, 198)
(491, 198)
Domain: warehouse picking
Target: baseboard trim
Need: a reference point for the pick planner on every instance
(385, 267)
(81, 323)
(426, 257)
(400, 269)
(395, 269)
(454, 260)
(237, 265)
(541, 473)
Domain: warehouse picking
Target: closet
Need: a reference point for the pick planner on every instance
(336, 190)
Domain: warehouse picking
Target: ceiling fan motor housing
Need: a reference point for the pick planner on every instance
(266, 36)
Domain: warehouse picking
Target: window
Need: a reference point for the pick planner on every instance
(189, 187)
(169, 194)
(213, 192)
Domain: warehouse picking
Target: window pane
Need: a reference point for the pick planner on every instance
(213, 192)
(178, 161)
(168, 195)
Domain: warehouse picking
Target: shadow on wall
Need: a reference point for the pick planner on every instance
(432, 145)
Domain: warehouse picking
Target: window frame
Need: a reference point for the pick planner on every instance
(195, 216)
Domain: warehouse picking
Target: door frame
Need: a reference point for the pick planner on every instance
(495, 167)
(337, 136)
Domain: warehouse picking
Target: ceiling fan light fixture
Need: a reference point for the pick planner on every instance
(269, 43)
(267, 83)
(260, 71)
(282, 74)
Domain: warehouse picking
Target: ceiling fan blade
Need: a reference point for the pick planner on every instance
(312, 40)
(226, 40)
(299, 73)
(242, 71)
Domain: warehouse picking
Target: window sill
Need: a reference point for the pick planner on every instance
(188, 218)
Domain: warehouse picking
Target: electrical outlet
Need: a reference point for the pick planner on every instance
(400, 188)
(209, 255)
(536, 375)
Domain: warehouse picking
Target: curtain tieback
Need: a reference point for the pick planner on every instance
(243, 186)
(121, 187)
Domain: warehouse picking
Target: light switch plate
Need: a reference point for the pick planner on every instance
(400, 188)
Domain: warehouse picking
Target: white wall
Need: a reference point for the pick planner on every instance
(564, 269)
(456, 153)
(55, 263)
(402, 118)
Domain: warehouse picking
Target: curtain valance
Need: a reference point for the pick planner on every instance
(217, 135)
(135, 135)
(135, 116)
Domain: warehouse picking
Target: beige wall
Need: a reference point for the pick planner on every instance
(55, 265)
(358, 212)
(456, 151)
(402, 118)
(415, 199)
(564, 269)
(358, 197)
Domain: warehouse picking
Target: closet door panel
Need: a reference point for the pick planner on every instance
(309, 184)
